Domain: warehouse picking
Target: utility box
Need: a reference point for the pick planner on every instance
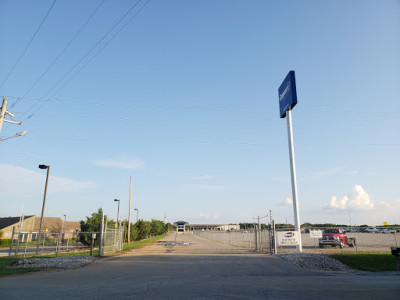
(396, 253)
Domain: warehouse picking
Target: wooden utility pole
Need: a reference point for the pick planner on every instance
(3, 112)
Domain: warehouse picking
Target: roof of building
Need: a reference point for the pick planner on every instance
(5, 222)
(52, 224)
(55, 224)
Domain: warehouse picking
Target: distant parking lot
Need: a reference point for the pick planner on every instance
(376, 242)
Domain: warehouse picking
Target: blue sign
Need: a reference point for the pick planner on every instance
(287, 94)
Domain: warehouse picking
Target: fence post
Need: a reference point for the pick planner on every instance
(91, 247)
(101, 234)
(26, 244)
(255, 238)
(274, 235)
(12, 238)
(58, 240)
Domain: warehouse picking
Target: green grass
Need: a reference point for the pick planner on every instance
(368, 261)
(142, 242)
(6, 262)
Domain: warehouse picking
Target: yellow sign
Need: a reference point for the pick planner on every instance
(47, 229)
(385, 223)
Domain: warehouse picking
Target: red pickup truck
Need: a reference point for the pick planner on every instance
(336, 237)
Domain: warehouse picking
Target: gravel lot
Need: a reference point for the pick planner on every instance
(313, 261)
(68, 262)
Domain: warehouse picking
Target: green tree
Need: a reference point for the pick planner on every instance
(92, 225)
(143, 228)
(157, 227)
(134, 231)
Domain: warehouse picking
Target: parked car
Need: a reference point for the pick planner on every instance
(370, 230)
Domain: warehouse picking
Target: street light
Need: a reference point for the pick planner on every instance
(43, 167)
(137, 214)
(22, 133)
(62, 227)
(116, 200)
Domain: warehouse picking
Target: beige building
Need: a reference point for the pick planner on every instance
(31, 224)
(181, 228)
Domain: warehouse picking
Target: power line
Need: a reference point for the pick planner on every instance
(27, 46)
(61, 53)
(85, 55)
(102, 48)
(164, 106)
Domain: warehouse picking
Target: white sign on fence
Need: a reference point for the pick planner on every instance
(288, 238)
(316, 234)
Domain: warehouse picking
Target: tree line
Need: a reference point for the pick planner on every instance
(139, 231)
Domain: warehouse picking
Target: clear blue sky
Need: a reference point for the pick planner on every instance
(184, 98)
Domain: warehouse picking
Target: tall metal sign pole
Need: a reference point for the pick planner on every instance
(287, 100)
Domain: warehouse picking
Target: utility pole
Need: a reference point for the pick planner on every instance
(3, 112)
(130, 204)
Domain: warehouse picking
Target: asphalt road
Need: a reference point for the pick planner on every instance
(199, 270)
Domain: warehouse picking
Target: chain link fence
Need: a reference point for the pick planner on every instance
(259, 240)
(361, 239)
(112, 240)
(27, 244)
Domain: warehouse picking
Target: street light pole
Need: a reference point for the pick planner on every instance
(43, 167)
(62, 226)
(116, 200)
(62, 229)
(137, 214)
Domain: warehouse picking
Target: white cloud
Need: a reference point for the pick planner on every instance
(132, 164)
(202, 177)
(206, 187)
(358, 200)
(208, 217)
(395, 205)
(328, 172)
(321, 174)
(287, 202)
(18, 182)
